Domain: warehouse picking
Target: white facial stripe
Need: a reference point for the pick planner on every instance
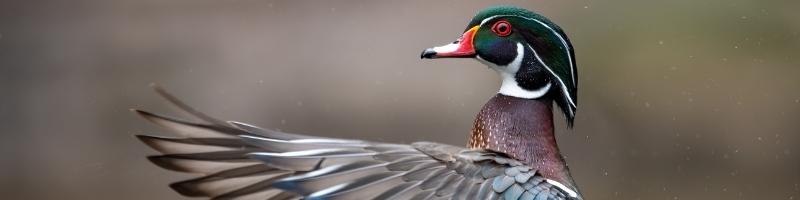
(446, 48)
(570, 192)
(509, 86)
(563, 41)
(489, 18)
(563, 86)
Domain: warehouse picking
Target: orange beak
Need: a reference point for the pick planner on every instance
(461, 48)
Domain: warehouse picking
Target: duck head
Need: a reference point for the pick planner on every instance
(531, 53)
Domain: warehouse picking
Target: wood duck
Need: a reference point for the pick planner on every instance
(512, 152)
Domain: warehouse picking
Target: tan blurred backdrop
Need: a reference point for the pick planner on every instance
(678, 99)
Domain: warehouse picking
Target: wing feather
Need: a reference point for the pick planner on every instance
(216, 186)
(168, 145)
(203, 166)
(187, 129)
(192, 187)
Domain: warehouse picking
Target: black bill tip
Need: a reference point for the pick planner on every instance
(428, 53)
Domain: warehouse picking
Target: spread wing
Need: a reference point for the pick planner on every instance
(240, 161)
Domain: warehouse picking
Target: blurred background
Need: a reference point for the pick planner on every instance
(678, 99)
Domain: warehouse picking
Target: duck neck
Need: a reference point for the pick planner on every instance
(522, 129)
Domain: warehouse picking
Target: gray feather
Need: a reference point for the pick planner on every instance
(407, 164)
(168, 145)
(542, 195)
(215, 186)
(484, 190)
(501, 183)
(201, 186)
(185, 107)
(256, 188)
(491, 172)
(268, 133)
(435, 179)
(183, 164)
(513, 192)
(278, 145)
(350, 190)
(310, 159)
(462, 188)
(184, 128)
(527, 195)
(422, 172)
(423, 195)
(522, 178)
(313, 181)
(448, 187)
(401, 191)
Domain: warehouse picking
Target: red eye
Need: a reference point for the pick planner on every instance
(501, 28)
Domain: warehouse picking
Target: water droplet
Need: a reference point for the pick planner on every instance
(660, 42)
(646, 104)
(283, 121)
(299, 103)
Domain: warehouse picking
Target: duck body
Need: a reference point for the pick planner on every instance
(512, 151)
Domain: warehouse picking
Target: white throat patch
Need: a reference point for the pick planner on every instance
(509, 86)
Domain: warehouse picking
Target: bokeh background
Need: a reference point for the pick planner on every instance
(679, 99)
